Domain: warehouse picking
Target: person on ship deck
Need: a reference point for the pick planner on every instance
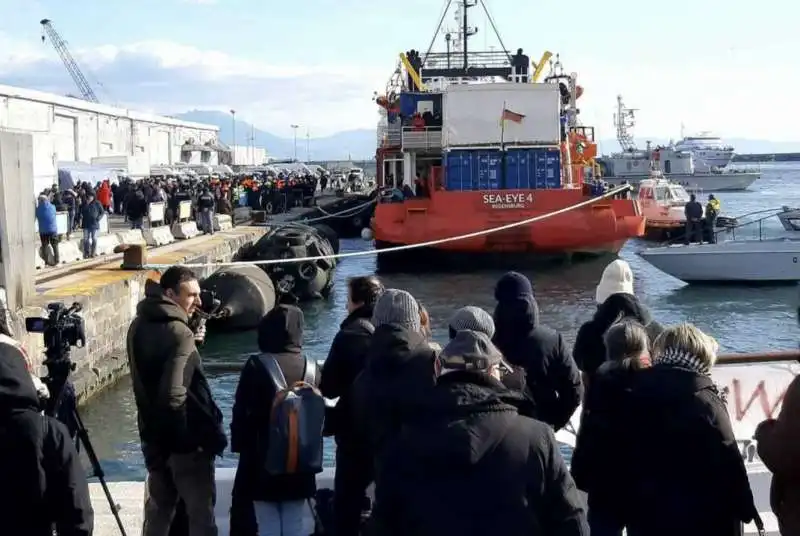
(553, 380)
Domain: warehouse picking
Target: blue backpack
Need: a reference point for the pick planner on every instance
(297, 419)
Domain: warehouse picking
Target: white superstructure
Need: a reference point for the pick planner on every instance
(707, 149)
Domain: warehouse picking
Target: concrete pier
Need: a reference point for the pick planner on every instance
(109, 296)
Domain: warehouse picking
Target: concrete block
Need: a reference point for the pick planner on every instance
(242, 213)
(185, 230)
(158, 236)
(132, 236)
(106, 244)
(69, 251)
(222, 222)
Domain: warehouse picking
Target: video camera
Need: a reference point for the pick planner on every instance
(62, 329)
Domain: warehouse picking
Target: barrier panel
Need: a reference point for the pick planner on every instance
(62, 224)
(156, 213)
(183, 228)
(157, 234)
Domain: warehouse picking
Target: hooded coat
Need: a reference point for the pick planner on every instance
(685, 471)
(779, 449)
(176, 410)
(589, 351)
(280, 334)
(552, 379)
(471, 465)
(399, 371)
(43, 482)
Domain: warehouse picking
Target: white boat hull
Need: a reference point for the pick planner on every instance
(790, 219)
(711, 182)
(745, 261)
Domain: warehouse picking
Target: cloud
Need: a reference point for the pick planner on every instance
(170, 78)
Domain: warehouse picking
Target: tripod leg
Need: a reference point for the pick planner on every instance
(97, 469)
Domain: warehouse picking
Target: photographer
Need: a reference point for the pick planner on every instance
(180, 425)
(43, 483)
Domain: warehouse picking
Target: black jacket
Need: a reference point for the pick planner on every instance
(399, 371)
(280, 335)
(552, 379)
(177, 413)
(687, 475)
(599, 465)
(42, 480)
(346, 359)
(590, 350)
(470, 465)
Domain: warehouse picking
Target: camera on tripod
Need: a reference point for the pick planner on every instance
(62, 329)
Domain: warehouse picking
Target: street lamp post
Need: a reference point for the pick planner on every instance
(233, 145)
(295, 127)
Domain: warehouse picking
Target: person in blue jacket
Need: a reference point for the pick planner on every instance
(48, 229)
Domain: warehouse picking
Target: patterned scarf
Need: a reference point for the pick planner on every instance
(675, 358)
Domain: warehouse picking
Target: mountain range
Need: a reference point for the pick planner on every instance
(345, 145)
(360, 144)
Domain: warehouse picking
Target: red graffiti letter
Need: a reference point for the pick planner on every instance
(760, 392)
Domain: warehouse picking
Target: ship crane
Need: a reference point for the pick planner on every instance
(74, 70)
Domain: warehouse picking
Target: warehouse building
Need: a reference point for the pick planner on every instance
(66, 129)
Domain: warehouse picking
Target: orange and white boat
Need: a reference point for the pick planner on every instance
(485, 144)
(663, 204)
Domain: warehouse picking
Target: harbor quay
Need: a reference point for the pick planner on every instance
(107, 293)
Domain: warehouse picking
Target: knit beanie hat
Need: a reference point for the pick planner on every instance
(512, 286)
(397, 307)
(617, 279)
(471, 318)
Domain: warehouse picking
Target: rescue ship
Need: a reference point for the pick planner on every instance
(477, 141)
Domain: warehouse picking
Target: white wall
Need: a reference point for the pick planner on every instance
(66, 129)
(245, 155)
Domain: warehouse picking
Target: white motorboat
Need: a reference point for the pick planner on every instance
(790, 218)
(744, 383)
(733, 261)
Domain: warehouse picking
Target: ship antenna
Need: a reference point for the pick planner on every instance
(438, 29)
(494, 28)
(466, 31)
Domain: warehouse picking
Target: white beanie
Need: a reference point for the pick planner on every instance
(617, 279)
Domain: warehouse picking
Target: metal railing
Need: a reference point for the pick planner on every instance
(427, 138)
(391, 135)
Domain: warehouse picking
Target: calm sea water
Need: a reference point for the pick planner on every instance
(742, 319)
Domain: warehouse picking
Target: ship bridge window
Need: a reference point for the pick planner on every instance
(662, 193)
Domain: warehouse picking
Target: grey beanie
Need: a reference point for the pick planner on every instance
(474, 319)
(397, 307)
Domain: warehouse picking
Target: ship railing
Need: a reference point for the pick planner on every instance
(390, 135)
(758, 225)
(422, 139)
(484, 59)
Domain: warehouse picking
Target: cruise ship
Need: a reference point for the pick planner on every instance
(707, 149)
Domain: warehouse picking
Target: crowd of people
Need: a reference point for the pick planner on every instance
(457, 439)
(86, 204)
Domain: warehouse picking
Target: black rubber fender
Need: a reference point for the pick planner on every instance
(329, 234)
(246, 293)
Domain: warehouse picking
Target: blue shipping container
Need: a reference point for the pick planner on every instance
(536, 168)
(410, 102)
(473, 170)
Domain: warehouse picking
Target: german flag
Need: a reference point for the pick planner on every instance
(508, 115)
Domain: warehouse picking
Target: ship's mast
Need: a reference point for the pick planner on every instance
(624, 120)
(466, 31)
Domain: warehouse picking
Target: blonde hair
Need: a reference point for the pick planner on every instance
(626, 341)
(689, 339)
(425, 321)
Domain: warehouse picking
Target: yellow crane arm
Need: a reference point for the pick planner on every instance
(540, 66)
(414, 74)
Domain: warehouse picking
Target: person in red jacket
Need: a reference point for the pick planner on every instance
(104, 195)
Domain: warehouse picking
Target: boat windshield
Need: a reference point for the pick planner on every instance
(679, 194)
